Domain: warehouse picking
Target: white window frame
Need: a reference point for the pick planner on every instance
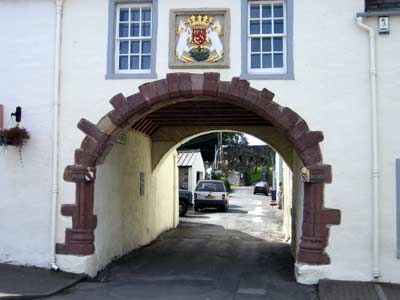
(272, 35)
(118, 39)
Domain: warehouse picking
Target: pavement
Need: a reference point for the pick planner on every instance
(355, 290)
(238, 255)
(21, 282)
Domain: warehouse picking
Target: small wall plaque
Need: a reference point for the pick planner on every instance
(384, 25)
(199, 38)
(141, 184)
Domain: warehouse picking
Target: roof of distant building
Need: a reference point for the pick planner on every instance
(187, 157)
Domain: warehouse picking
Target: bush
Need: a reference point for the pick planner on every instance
(224, 179)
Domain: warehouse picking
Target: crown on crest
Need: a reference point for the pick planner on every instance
(200, 21)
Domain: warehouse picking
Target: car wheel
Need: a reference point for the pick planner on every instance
(183, 208)
(254, 193)
(196, 208)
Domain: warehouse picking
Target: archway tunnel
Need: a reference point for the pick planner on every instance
(125, 170)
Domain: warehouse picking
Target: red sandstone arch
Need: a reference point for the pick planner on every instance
(184, 87)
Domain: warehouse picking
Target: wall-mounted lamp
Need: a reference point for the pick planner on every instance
(17, 114)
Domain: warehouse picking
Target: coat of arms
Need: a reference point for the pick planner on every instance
(199, 39)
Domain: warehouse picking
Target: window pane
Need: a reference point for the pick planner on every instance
(267, 61)
(123, 30)
(266, 26)
(255, 45)
(145, 62)
(135, 15)
(146, 29)
(255, 61)
(254, 11)
(254, 27)
(278, 26)
(134, 29)
(123, 48)
(146, 46)
(124, 15)
(135, 47)
(266, 45)
(278, 44)
(278, 60)
(123, 62)
(278, 11)
(146, 15)
(135, 62)
(266, 11)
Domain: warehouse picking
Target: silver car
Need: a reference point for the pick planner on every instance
(211, 193)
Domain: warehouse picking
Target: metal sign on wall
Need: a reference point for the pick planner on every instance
(199, 38)
(141, 184)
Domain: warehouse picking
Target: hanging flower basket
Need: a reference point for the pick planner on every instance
(16, 136)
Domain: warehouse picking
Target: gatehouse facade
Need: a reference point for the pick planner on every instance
(109, 89)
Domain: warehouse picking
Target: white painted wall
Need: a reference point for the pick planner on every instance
(26, 80)
(388, 68)
(197, 166)
(287, 201)
(330, 91)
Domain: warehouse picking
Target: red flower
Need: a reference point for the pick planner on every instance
(15, 136)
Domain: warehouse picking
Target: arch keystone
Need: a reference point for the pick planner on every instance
(210, 84)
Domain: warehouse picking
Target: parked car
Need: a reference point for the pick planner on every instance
(211, 193)
(185, 201)
(261, 188)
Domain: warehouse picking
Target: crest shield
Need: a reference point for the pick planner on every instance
(199, 36)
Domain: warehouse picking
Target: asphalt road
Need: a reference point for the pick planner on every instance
(210, 256)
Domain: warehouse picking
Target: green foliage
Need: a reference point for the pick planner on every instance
(224, 179)
(206, 143)
(257, 175)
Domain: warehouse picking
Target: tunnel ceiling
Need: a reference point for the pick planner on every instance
(198, 113)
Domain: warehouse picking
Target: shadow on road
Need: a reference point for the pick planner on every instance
(199, 261)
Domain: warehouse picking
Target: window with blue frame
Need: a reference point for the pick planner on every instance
(267, 37)
(133, 39)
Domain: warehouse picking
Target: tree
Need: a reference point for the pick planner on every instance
(206, 143)
(234, 139)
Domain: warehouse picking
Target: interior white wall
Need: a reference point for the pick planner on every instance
(287, 177)
(197, 166)
(26, 80)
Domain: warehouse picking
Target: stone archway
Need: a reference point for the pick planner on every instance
(186, 87)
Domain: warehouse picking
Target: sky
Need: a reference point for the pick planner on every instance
(253, 141)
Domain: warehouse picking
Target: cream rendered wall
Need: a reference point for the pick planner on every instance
(26, 80)
(330, 92)
(127, 220)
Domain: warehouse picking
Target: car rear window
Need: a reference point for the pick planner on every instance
(210, 187)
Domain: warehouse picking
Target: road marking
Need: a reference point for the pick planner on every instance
(252, 291)
(380, 292)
